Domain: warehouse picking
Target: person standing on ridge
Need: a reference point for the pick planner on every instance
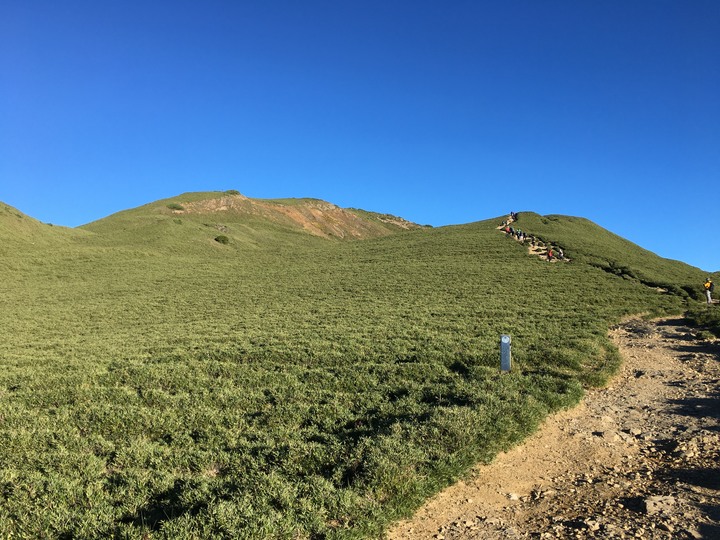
(709, 287)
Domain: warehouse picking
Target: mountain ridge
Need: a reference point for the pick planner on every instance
(18, 228)
(231, 212)
(252, 221)
(190, 385)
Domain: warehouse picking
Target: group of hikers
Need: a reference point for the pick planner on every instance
(536, 246)
(556, 253)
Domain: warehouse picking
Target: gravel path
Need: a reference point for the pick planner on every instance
(637, 459)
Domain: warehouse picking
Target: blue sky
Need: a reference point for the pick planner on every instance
(441, 112)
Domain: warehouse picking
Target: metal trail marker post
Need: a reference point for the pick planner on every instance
(505, 354)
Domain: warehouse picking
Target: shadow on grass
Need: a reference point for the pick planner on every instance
(164, 506)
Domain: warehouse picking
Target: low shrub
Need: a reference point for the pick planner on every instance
(707, 318)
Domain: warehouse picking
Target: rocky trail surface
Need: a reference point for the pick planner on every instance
(639, 458)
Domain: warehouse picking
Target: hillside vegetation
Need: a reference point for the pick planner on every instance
(157, 382)
(19, 231)
(200, 217)
(587, 243)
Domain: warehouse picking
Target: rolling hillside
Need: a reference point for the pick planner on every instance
(587, 243)
(288, 383)
(17, 230)
(201, 217)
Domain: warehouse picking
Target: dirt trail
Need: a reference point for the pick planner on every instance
(536, 248)
(637, 459)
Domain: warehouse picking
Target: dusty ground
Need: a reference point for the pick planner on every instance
(638, 459)
(314, 216)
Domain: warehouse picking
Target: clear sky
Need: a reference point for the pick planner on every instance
(439, 111)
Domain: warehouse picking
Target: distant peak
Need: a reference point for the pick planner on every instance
(312, 216)
(216, 204)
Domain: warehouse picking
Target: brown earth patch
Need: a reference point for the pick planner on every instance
(315, 217)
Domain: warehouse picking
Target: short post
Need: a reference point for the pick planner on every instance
(505, 355)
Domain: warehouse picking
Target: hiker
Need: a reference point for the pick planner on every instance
(561, 254)
(709, 287)
(550, 254)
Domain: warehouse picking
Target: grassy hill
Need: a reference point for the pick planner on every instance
(200, 218)
(18, 230)
(157, 382)
(587, 243)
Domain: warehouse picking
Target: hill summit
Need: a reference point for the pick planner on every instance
(314, 216)
(238, 216)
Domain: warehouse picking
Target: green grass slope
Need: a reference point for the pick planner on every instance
(587, 243)
(200, 218)
(18, 231)
(285, 385)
